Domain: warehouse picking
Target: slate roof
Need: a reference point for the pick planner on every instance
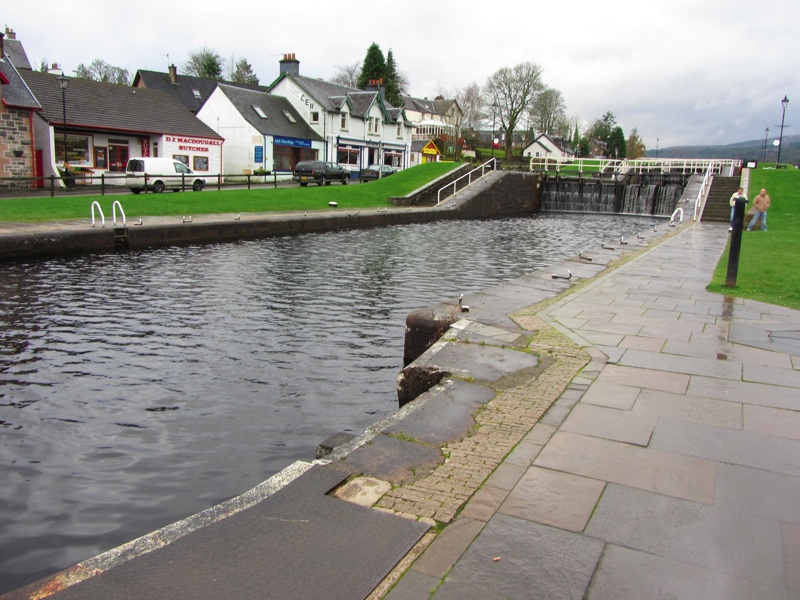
(15, 92)
(439, 106)
(276, 122)
(418, 145)
(111, 107)
(332, 97)
(184, 87)
(16, 53)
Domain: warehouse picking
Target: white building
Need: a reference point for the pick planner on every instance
(359, 127)
(261, 131)
(545, 146)
(440, 118)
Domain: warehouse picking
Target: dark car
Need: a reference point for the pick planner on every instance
(319, 172)
(376, 172)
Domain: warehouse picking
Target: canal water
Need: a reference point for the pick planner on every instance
(137, 389)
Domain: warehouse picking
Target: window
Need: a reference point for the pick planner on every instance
(372, 125)
(260, 112)
(348, 156)
(315, 116)
(197, 94)
(77, 149)
(399, 130)
(181, 158)
(200, 163)
(289, 116)
(181, 168)
(344, 122)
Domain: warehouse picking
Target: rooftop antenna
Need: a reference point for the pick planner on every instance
(168, 63)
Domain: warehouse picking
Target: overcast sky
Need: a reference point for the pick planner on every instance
(683, 72)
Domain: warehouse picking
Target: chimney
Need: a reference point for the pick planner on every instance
(173, 74)
(10, 33)
(376, 85)
(2, 48)
(289, 64)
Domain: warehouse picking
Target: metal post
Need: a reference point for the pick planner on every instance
(736, 241)
(784, 104)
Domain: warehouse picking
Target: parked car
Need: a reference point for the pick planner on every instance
(159, 174)
(319, 172)
(376, 172)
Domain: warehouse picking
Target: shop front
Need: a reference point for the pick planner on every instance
(288, 151)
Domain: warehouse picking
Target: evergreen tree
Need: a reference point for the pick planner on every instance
(616, 144)
(635, 147)
(391, 81)
(374, 66)
(243, 73)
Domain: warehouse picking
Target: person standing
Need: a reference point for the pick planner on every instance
(761, 204)
(734, 196)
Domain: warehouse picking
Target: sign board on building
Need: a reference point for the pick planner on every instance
(259, 154)
(290, 141)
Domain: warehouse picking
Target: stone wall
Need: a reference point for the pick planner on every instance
(15, 139)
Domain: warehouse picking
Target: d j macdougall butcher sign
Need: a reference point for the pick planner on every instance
(192, 144)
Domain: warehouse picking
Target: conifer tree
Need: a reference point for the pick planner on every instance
(391, 81)
(374, 66)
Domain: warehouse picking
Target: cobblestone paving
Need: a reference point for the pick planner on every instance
(500, 426)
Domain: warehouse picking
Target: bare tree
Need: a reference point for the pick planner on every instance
(511, 92)
(100, 70)
(471, 101)
(347, 75)
(206, 63)
(548, 111)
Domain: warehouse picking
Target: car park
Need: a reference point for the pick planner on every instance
(155, 174)
(376, 172)
(319, 172)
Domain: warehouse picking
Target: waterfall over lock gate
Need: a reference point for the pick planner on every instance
(603, 196)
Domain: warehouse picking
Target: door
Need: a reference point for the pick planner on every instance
(117, 158)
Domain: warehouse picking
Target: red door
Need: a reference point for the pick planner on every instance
(117, 158)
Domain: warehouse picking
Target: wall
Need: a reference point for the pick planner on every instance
(15, 135)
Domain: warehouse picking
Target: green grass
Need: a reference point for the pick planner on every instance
(767, 262)
(210, 201)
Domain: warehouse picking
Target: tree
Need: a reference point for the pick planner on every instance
(242, 72)
(601, 129)
(347, 75)
(549, 111)
(99, 70)
(511, 93)
(634, 147)
(616, 143)
(206, 63)
(374, 66)
(391, 81)
(470, 100)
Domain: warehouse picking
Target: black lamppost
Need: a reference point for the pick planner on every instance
(766, 139)
(784, 104)
(63, 82)
(494, 121)
(656, 147)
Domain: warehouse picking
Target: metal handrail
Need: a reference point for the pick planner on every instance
(122, 212)
(636, 165)
(705, 187)
(482, 168)
(100, 210)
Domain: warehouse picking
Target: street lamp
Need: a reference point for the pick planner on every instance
(766, 138)
(63, 82)
(656, 147)
(784, 104)
(494, 121)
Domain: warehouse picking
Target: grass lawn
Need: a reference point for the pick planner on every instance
(210, 201)
(768, 261)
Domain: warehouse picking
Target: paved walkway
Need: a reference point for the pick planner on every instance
(669, 468)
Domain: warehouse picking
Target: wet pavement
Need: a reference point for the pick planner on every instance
(669, 468)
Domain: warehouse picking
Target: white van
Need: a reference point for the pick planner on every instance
(159, 174)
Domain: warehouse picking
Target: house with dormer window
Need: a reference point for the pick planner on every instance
(359, 127)
(261, 131)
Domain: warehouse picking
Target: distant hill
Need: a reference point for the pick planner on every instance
(741, 150)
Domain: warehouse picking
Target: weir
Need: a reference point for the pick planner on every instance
(653, 195)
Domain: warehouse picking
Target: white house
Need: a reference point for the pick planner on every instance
(261, 131)
(545, 146)
(359, 127)
(438, 118)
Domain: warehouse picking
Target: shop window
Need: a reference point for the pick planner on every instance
(182, 158)
(77, 149)
(348, 156)
(200, 163)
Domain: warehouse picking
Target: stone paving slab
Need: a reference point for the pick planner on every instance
(689, 532)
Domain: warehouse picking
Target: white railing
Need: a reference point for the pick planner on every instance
(483, 168)
(636, 165)
(702, 193)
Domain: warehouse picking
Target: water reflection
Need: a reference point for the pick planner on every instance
(137, 389)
